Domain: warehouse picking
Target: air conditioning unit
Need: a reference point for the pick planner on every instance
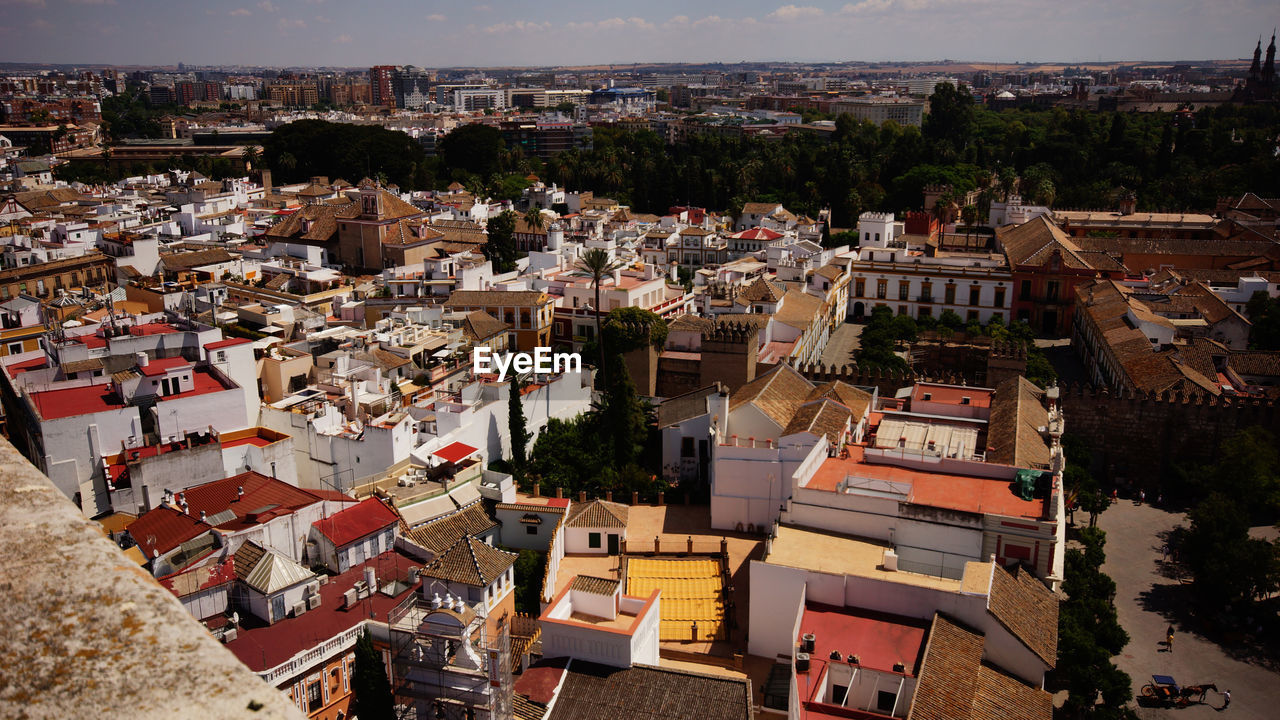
(362, 589)
(349, 598)
(229, 635)
(313, 587)
(299, 609)
(313, 602)
(890, 561)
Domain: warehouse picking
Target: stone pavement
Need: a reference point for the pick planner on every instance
(1142, 591)
(841, 345)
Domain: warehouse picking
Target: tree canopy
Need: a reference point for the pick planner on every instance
(308, 148)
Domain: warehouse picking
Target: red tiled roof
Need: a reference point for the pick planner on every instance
(264, 498)
(200, 577)
(228, 342)
(160, 366)
(162, 529)
(353, 523)
(265, 647)
(454, 452)
(757, 233)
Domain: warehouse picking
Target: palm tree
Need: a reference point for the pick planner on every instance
(535, 218)
(941, 209)
(597, 263)
(970, 215)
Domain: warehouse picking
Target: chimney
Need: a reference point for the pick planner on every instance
(239, 491)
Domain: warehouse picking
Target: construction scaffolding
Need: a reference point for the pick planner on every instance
(447, 662)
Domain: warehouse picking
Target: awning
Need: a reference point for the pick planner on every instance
(454, 452)
(441, 354)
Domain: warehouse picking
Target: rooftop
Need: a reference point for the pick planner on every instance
(263, 647)
(951, 491)
(829, 552)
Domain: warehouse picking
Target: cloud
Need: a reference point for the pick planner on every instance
(323, 19)
(435, 17)
(287, 24)
(267, 6)
(41, 24)
(108, 30)
(865, 7)
(240, 12)
(796, 12)
(482, 8)
(517, 26)
(343, 39)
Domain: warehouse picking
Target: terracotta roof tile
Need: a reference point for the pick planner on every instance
(594, 585)
(480, 325)
(441, 534)
(778, 394)
(598, 513)
(470, 562)
(1017, 411)
(1026, 607)
(498, 298)
(592, 691)
(820, 417)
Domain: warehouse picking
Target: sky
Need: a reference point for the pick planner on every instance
(360, 33)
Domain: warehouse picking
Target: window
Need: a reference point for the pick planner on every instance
(860, 287)
(999, 297)
(925, 312)
(974, 293)
(972, 316)
(313, 697)
(1051, 291)
(882, 289)
(949, 294)
(838, 693)
(277, 608)
(904, 288)
(885, 701)
(530, 529)
(593, 540)
(686, 447)
(926, 292)
(1024, 292)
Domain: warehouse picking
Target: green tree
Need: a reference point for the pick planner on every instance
(1264, 313)
(530, 567)
(370, 689)
(473, 148)
(597, 263)
(629, 328)
(1089, 635)
(500, 246)
(517, 427)
(623, 416)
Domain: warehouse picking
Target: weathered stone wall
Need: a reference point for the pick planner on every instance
(1138, 438)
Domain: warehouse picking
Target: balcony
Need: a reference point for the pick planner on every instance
(925, 298)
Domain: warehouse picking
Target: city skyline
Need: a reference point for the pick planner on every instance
(504, 33)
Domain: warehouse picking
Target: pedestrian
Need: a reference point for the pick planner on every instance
(1164, 552)
(1114, 495)
(1142, 496)
(1226, 699)
(1160, 500)
(1168, 638)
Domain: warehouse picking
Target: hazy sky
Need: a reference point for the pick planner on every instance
(509, 32)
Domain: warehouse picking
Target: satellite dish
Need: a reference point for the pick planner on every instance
(235, 618)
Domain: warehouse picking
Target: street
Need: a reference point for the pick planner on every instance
(841, 345)
(1143, 598)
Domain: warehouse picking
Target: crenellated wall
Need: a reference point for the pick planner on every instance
(1138, 438)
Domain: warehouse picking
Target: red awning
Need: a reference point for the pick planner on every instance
(454, 452)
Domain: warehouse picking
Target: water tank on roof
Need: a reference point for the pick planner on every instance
(802, 662)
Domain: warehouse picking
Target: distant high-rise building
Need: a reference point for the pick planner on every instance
(382, 85)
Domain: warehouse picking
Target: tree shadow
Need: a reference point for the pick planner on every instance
(1176, 604)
